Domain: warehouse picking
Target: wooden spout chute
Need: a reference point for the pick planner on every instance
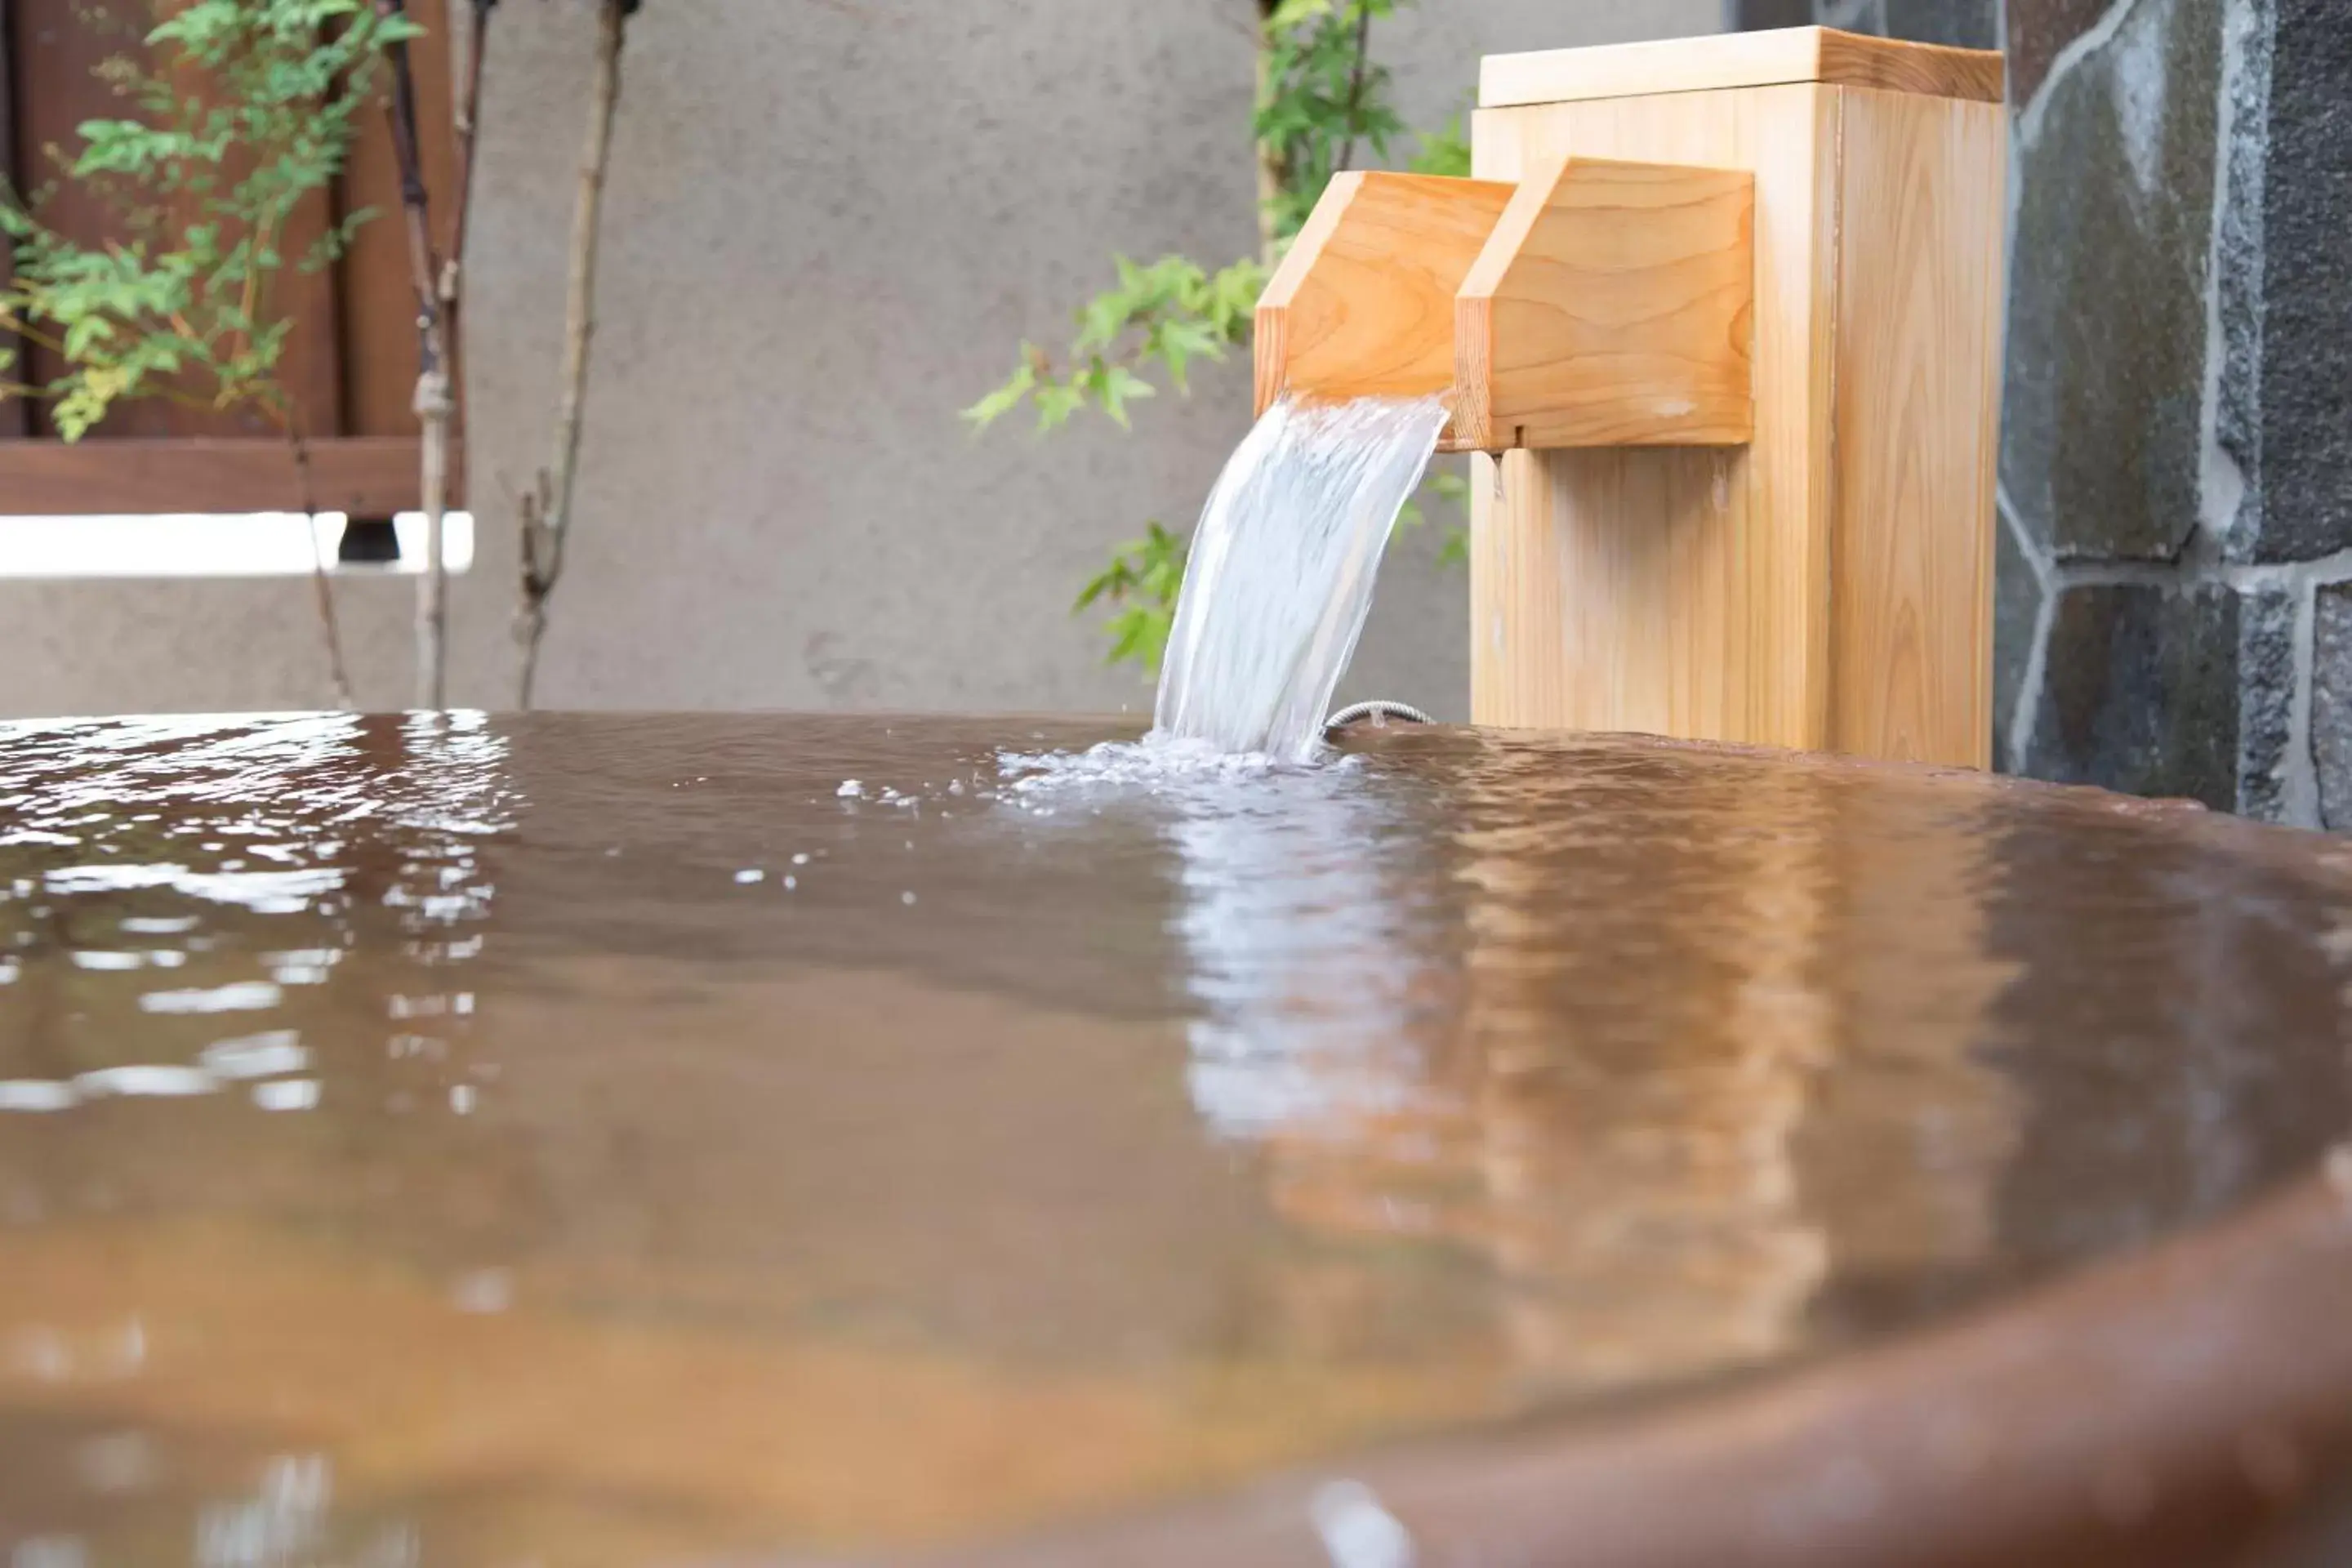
(1362, 306)
(1614, 306)
(1594, 304)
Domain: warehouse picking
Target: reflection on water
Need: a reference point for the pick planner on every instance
(456, 1140)
(226, 871)
(1312, 964)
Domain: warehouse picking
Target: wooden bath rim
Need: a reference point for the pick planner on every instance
(2167, 1408)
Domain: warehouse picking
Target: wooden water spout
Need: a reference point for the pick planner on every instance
(1594, 302)
(1722, 317)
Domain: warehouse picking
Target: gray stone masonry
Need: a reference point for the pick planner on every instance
(2174, 596)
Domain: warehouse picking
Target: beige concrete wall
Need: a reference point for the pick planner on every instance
(197, 645)
(828, 226)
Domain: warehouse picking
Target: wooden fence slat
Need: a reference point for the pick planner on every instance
(312, 368)
(378, 292)
(13, 422)
(350, 360)
(365, 476)
(54, 55)
(58, 48)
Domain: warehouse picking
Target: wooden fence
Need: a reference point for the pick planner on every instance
(351, 359)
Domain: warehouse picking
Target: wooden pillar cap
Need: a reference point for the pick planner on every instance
(1737, 60)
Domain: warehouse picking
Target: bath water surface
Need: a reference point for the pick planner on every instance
(421, 1142)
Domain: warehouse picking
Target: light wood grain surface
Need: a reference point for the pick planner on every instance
(1741, 60)
(1677, 591)
(1918, 338)
(1363, 303)
(1610, 307)
(1827, 586)
(365, 476)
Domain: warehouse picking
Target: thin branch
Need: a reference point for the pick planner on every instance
(1271, 172)
(547, 516)
(329, 624)
(179, 399)
(1356, 83)
(578, 325)
(10, 321)
(402, 112)
(469, 121)
(1225, 18)
(452, 287)
(434, 403)
(251, 303)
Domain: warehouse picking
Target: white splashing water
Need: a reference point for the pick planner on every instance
(1281, 568)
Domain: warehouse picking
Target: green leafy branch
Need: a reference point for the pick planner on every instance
(1323, 96)
(1449, 486)
(1322, 101)
(200, 189)
(1165, 314)
(1139, 586)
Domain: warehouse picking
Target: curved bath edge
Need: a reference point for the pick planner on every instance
(2172, 1407)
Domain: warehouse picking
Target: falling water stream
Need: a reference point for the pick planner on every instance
(1281, 573)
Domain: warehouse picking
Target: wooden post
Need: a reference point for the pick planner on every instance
(14, 423)
(1828, 585)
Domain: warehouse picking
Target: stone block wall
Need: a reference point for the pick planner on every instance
(2175, 588)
